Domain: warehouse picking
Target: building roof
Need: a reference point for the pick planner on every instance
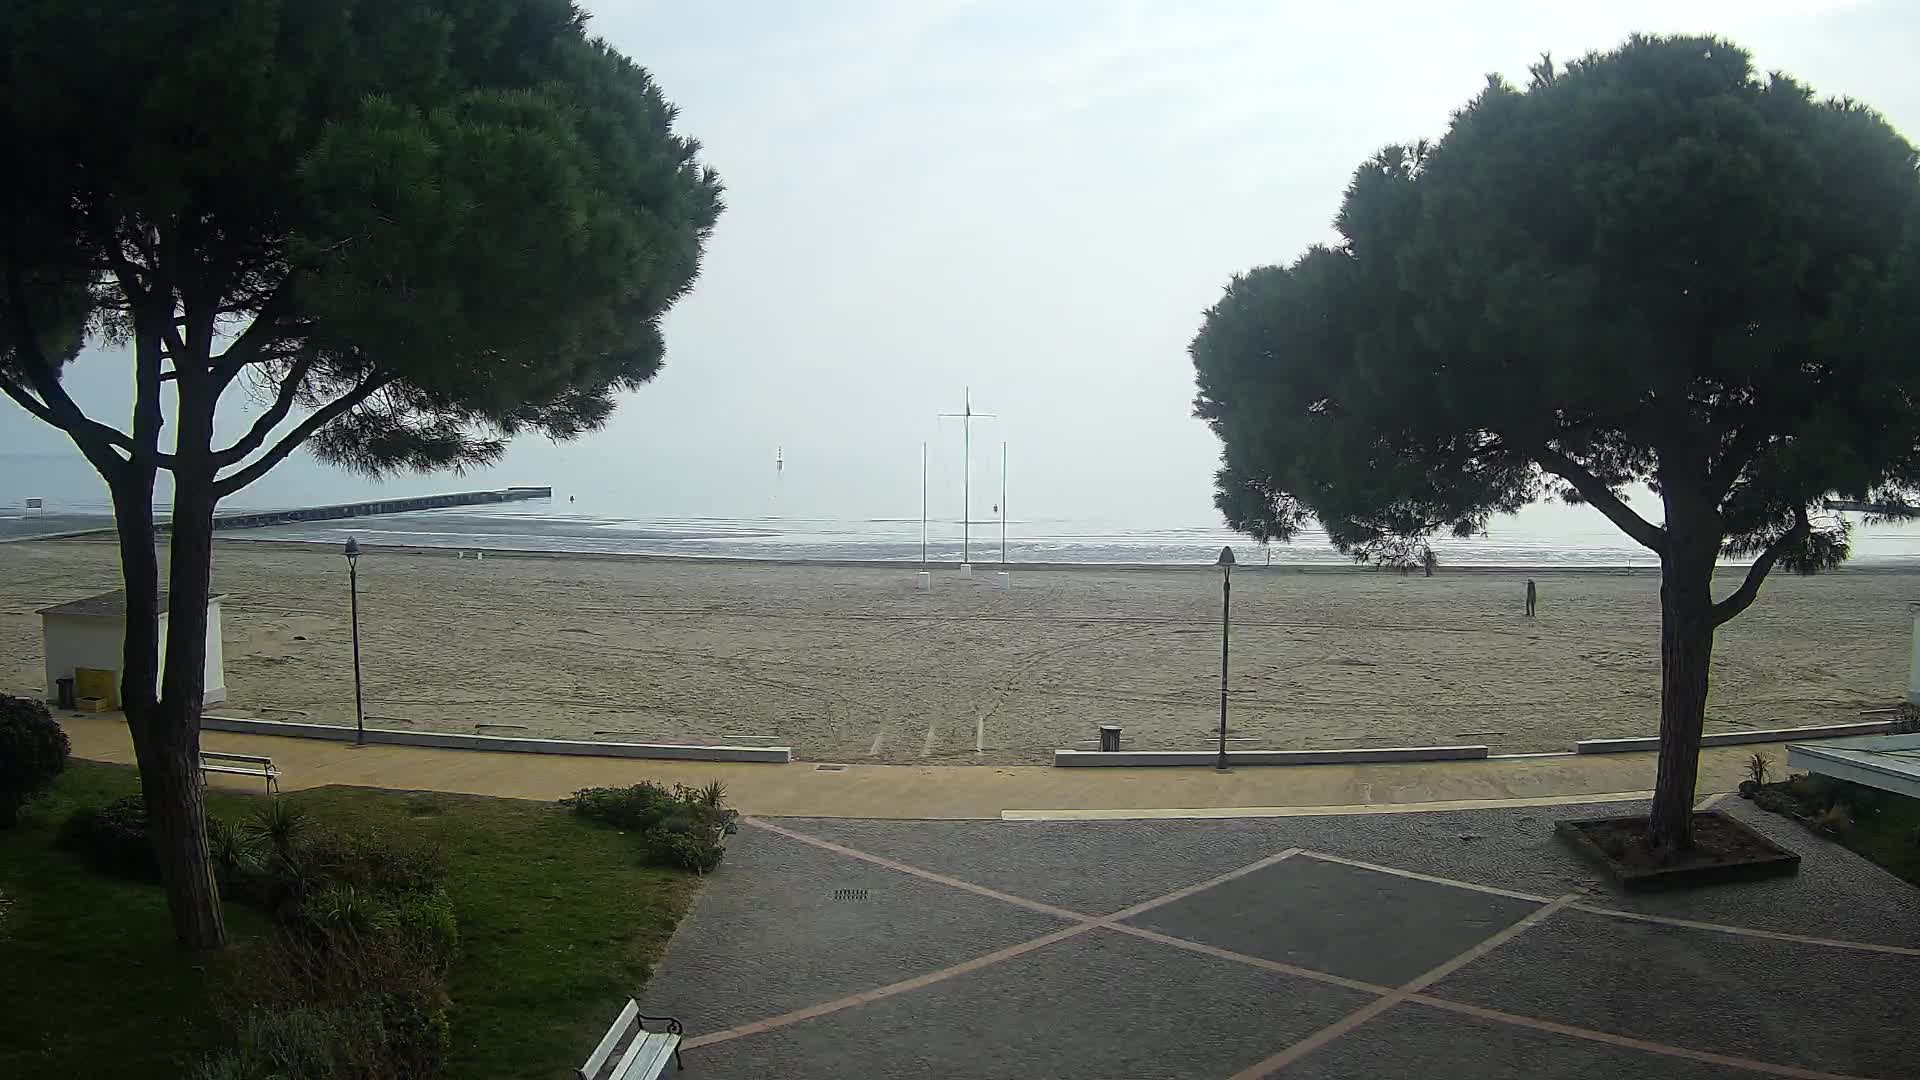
(1887, 762)
(107, 605)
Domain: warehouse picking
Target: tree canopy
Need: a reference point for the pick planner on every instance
(409, 229)
(429, 225)
(1652, 266)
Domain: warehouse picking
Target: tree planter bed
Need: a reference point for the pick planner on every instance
(1724, 850)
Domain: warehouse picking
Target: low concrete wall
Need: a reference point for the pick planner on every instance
(1734, 738)
(1137, 758)
(778, 755)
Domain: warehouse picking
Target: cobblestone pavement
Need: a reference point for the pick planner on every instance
(1451, 944)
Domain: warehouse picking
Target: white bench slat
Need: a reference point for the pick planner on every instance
(647, 1058)
(255, 758)
(629, 1017)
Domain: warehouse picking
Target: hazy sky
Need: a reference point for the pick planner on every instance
(1036, 200)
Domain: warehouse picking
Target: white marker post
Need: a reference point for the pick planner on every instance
(1005, 580)
(926, 578)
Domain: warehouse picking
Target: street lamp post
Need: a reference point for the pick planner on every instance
(353, 594)
(1225, 563)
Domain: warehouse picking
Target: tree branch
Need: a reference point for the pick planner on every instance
(1740, 451)
(1743, 597)
(263, 426)
(1647, 534)
(95, 440)
(260, 333)
(28, 402)
(315, 420)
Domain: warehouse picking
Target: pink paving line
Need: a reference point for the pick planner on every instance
(1387, 996)
(1182, 894)
(1394, 997)
(1770, 935)
(1084, 924)
(1590, 1035)
(927, 875)
(1261, 962)
(888, 990)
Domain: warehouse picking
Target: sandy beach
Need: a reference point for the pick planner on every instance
(851, 663)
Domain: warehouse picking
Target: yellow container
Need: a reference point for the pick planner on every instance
(97, 683)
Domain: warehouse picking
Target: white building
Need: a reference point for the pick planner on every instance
(91, 633)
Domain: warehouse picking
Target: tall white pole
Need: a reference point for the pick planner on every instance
(966, 417)
(923, 506)
(1003, 504)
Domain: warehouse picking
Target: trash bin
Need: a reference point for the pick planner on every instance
(1109, 738)
(63, 691)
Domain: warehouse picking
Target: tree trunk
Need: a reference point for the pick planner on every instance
(1686, 651)
(176, 807)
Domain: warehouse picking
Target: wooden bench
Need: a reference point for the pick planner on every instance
(240, 765)
(631, 1052)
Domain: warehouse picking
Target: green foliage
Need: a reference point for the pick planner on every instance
(635, 808)
(112, 839)
(557, 922)
(684, 849)
(425, 226)
(683, 828)
(1758, 767)
(1650, 266)
(470, 204)
(33, 750)
(354, 983)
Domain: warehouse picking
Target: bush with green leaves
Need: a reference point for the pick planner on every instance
(681, 827)
(112, 839)
(33, 750)
(353, 983)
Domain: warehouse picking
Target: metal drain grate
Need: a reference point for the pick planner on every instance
(849, 894)
(829, 768)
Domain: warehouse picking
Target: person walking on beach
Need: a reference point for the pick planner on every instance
(1533, 598)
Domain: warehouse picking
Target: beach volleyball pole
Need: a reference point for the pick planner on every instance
(1225, 563)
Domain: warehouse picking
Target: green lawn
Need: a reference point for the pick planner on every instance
(559, 924)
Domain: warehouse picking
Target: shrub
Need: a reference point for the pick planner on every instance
(417, 1033)
(687, 851)
(1759, 766)
(112, 839)
(685, 827)
(278, 827)
(33, 750)
(428, 920)
(234, 851)
(372, 862)
(638, 808)
(352, 985)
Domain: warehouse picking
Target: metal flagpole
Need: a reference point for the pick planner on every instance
(923, 506)
(966, 417)
(1003, 504)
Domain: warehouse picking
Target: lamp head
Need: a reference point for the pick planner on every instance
(1226, 557)
(352, 551)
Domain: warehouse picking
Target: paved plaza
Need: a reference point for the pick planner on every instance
(1463, 944)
